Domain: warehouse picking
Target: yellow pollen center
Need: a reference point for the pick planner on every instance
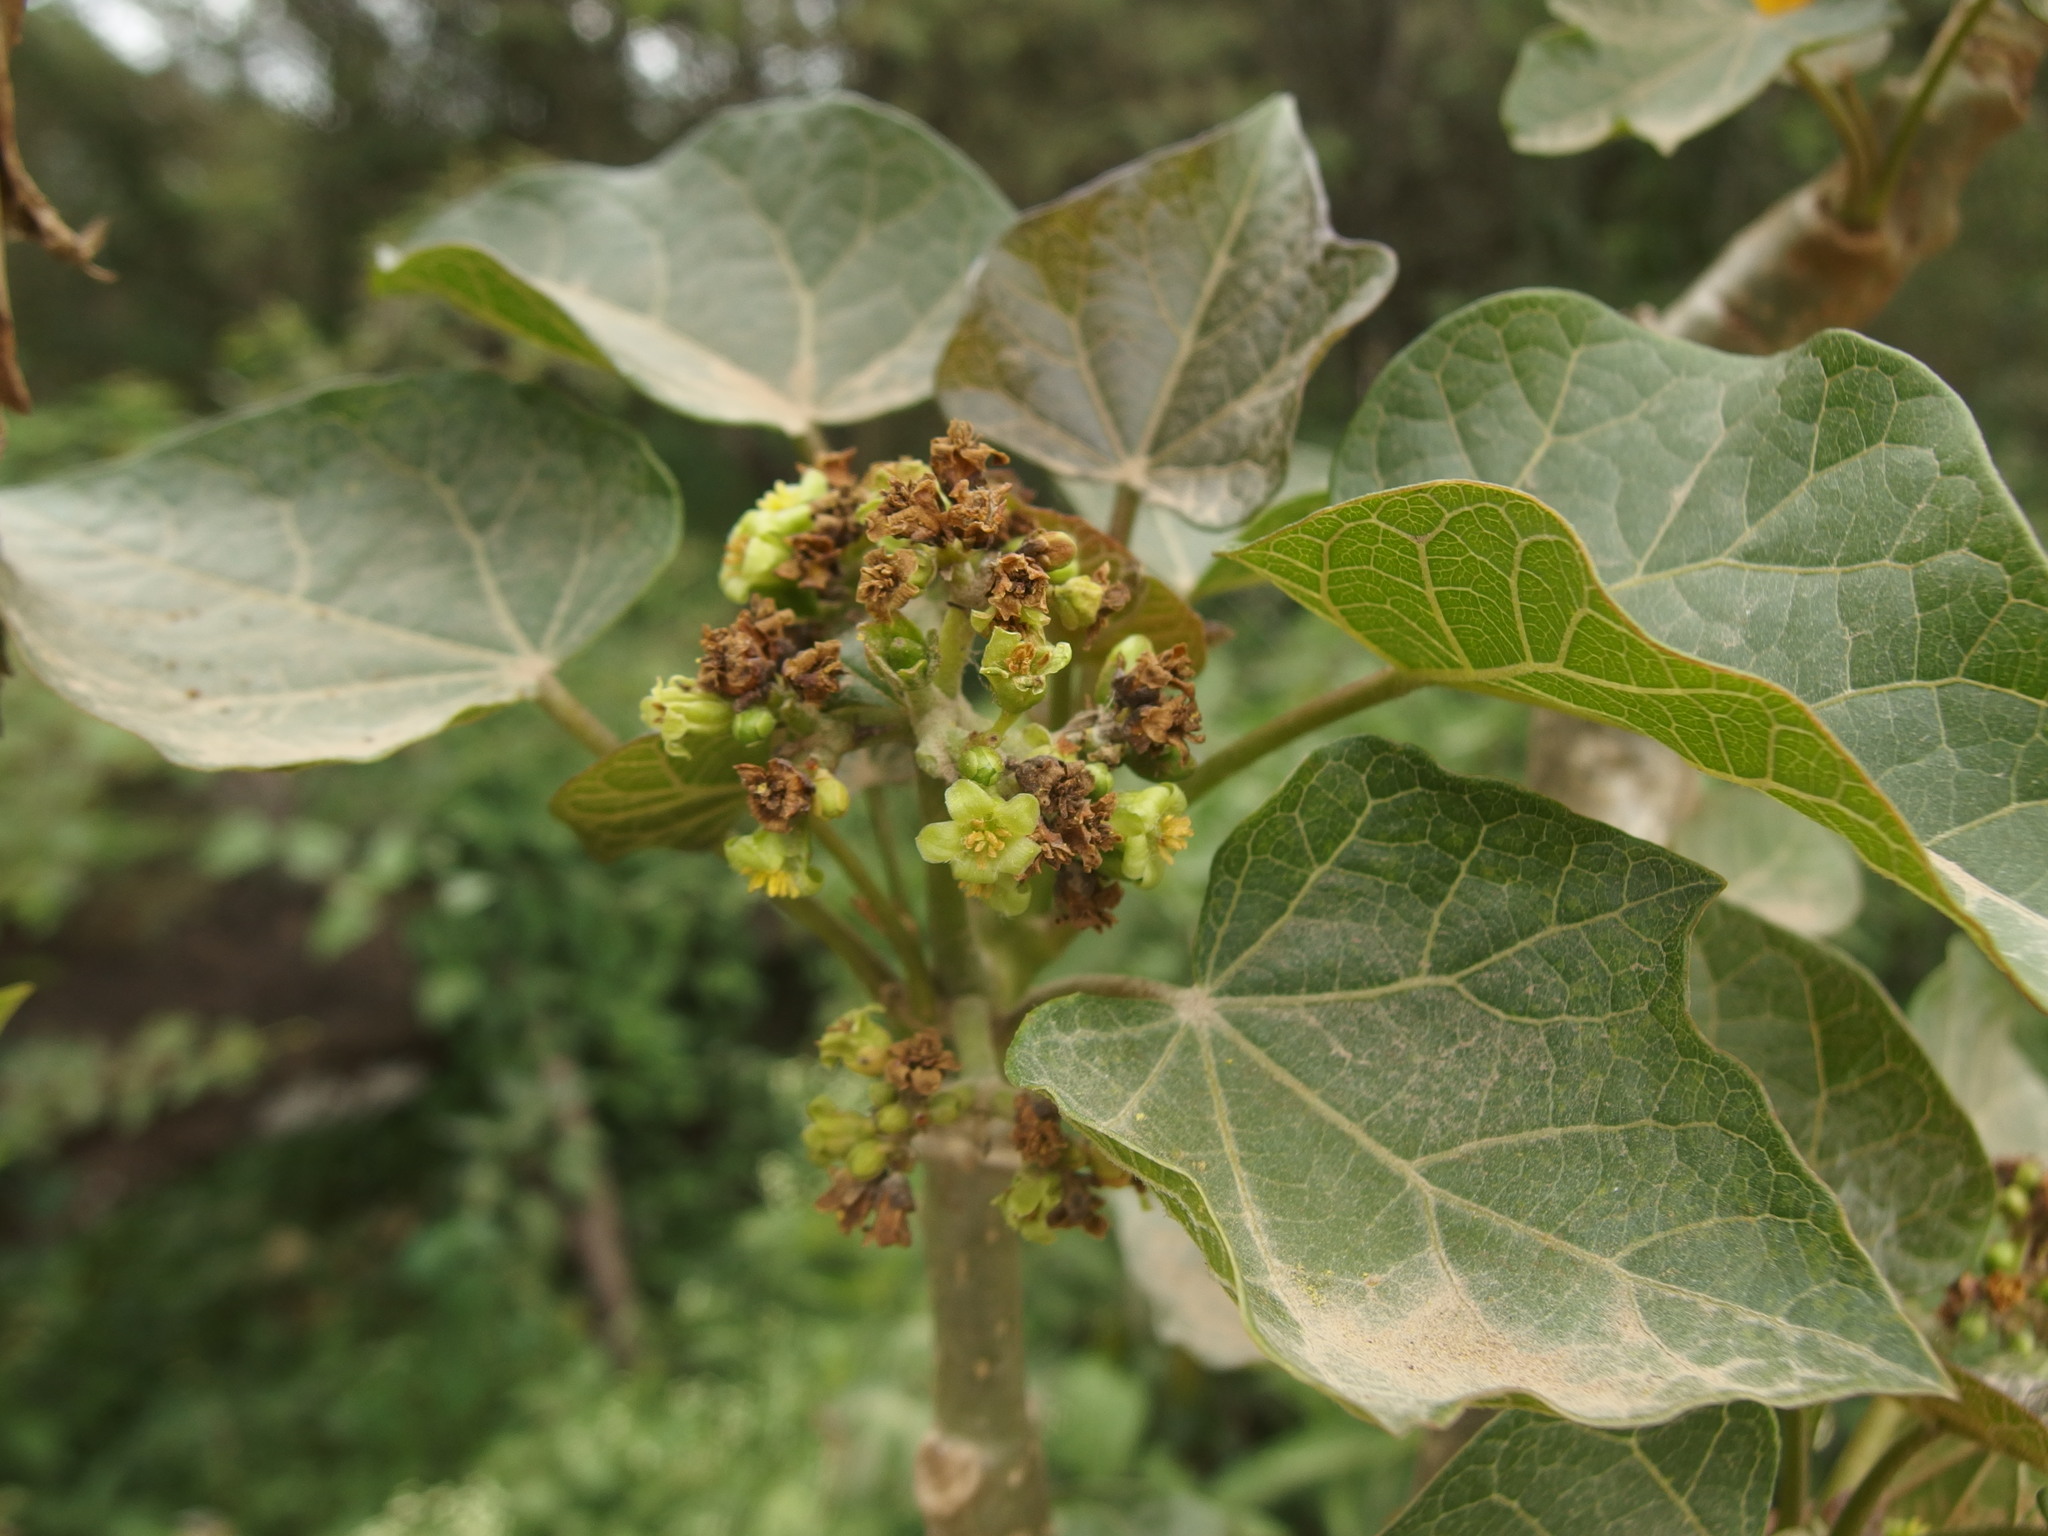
(1174, 832)
(983, 840)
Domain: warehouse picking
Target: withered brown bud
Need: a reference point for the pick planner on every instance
(909, 509)
(815, 673)
(887, 582)
(1036, 1133)
(920, 1064)
(1017, 584)
(777, 794)
(1083, 899)
(979, 516)
(961, 456)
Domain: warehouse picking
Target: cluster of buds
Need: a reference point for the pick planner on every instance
(869, 1151)
(791, 542)
(765, 671)
(1146, 716)
(1061, 1181)
(2004, 1301)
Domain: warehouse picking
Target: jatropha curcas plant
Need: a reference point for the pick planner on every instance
(1468, 1099)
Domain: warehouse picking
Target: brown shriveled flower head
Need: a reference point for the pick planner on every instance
(837, 468)
(1017, 584)
(979, 516)
(1036, 1133)
(1154, 701)
(920, 1064)
(1051, 548)
(815, 673)
(880, 1206)
(2004, 1292)
(1116, 597)
(909, 509)
(961, 456)
(885, 582)
(1080, 1205)
(777, 794)
(1072, 827)
(741, 660)
(1081, 898)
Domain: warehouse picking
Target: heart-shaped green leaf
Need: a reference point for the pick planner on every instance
(336, 576)
(1991, 1046)
(1851, 1086)
(1708, 1474)
(1991, 1415)
(791, 263)
(1781, 866)
(1663, 70)
(1826, 521)
(641, 797)
(1156, 327)
(1434, 1111)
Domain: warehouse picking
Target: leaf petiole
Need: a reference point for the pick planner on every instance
(891, 919)
(1380, 688)
(1863, 1502)
(1853, 130)
(1123, 514)
(1955, 32)
(575, 717)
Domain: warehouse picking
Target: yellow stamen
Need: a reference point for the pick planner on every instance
(983, 840)
(1173, 835)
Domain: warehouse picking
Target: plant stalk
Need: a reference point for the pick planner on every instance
(1123, 514)
(1856, 1514)
(823, 924)
(1795, 1432)
(1380, 688)
(814, 444)
(1961, 22)
(1852, 130)
(956, 637)
(575, 717)
(893, 922)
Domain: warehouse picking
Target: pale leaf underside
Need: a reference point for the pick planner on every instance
(1663, 70)
(1156, 327)
(1990, 1045)
(1435, 1112)
(1853, 1089)
(1826, 521)
(791, 263)
(1778, 864)
(337, 576)
(1708, 1474)
(643, 797)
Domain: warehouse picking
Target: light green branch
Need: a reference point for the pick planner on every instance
(575, 717)
(1276, 733)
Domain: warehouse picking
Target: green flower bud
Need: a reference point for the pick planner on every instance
(2027, 1176)
(1077, 602)
(867, 1160)
(983, 764)
(1105, 781)
(1154, 826)
(1973, 1327)
(880, 1094)
(2021, 1341)
(777, 863)
(2004, 1256)
(830, 797)
(759, 541)
(753, 725)
(683, 713)
(985, 840)
(898, 646)
(833, 1133)
(1028, 1201)
(893, 1120)
(947, 1107)
(2015, 1202)
(858, 1041)
(1016, 668)
(1121, 658)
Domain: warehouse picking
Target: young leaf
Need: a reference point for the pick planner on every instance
(1993, 1416)
(1434, 1111)
(1663, 70)
(1781, 866)
(1710, 1473)
(792, 263)
(11, 999)
(1156, 327)
(337, 576)
(1991, 1046)
(1826, 521)
(641, 797)
(1851, 1086)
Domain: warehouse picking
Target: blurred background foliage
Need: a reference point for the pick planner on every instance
(346, 1092)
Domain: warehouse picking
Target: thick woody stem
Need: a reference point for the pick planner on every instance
(1800, 269)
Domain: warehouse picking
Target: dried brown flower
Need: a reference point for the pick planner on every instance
(1116, 597)
(1154, 703)
(979, 516)
(837, 468)
(885, 582)
(741, 660)
(1080, 1205)
(910, 509)
(1036, 1133)
(961, 456)
(776, 794)
(880, 1206)
(1017, 584)
(920, 1064)
(1081, 898)
(1073, 826)
(815, 673)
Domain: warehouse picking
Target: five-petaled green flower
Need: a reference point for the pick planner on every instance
(684, 711)
(1154, 826)
(988, 840)
(776, 863)
(759, 541)
(1015, 667)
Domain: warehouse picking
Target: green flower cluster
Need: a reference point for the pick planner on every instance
(759, 543)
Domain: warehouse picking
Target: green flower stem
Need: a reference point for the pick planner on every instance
(1857, 144)
(1962, 21)
(813, 443)
(956, 962)
(891, 919)
(956, 635)
(883, 824)
(575, 717)
(1795, 1431)
(1881, 1422)
(1863, 1502)
(823, 924)
(1059, 697)
(1382, 687)
(1123, 514)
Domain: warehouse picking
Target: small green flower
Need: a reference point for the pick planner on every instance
(754, 725)
(2003, 1257)
(1077, 602)
(759, 541)
(684, 713)
(1016, 667)
(778, 863)
(1030, 1199)
(830, 798)
(987, 839)
(1154, 826)
(1011, 898)
(858, 1041)
(981, 763)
